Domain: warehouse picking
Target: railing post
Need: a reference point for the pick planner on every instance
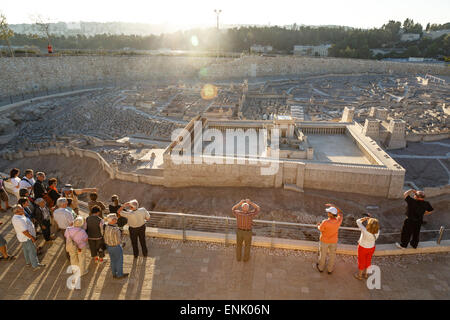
(273, 234)
(226, 232)
(183, 222)
(441, 233)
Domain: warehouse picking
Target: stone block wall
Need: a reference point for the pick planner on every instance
(26, 74)
(113, 172)
(368, 180)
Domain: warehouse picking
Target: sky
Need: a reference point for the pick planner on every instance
(353, 13)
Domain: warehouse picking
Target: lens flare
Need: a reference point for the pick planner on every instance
(194, 41)
(209, 92)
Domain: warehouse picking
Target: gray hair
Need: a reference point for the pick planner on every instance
(40, 174)
(39, 200)
(61, 201)
(78, 222)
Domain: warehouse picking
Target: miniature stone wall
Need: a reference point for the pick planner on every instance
(362, 179)
(113, 172)
(427, 137)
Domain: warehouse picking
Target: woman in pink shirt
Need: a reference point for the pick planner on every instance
(80, 251)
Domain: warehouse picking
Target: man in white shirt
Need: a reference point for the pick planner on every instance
(27, 181)
(137, 218)
(26, 234)
(63, 218)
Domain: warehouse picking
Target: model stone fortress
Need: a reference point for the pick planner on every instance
(337, 119)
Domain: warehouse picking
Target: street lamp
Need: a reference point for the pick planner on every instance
(217, 12)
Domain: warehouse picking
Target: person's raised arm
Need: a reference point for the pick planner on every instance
(85, 190)
(360, 221)
(257, 208)
(119, 211)
(409, 192)
(237, 205)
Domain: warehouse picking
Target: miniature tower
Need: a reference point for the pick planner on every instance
(347, 115)
(372, 128)
(382, 114)
(396, 137)
(373, 112)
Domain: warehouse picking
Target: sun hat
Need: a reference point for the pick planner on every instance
(332, 210)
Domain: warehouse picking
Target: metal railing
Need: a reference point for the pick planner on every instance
(270, 229)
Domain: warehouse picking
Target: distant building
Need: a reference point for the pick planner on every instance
(256, 48)
(385, 51)
(409, 37)
(219, 112)
(321, 50)
(435, 34)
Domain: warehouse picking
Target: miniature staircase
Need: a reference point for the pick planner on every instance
(292, 187)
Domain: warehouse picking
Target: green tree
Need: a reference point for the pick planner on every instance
(6, 33)
(413, 51)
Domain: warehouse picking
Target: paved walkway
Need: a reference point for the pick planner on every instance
(194, 270)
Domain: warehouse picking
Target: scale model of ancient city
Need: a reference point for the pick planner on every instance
(304, 132)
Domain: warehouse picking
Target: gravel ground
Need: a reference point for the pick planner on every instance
(424, 172)
(424, 149)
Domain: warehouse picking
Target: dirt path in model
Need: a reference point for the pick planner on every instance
(276, 204)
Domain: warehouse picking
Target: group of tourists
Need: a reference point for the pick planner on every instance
(55, 212)
(43, 209)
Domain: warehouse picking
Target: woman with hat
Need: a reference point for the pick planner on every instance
(77, 247)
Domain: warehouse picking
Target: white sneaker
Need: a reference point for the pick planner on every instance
(399, 246)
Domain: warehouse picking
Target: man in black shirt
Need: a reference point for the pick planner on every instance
(39, 187)
(417, 208)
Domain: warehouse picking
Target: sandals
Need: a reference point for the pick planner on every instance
(356, 275)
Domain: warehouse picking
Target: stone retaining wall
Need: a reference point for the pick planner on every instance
(26, 74)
